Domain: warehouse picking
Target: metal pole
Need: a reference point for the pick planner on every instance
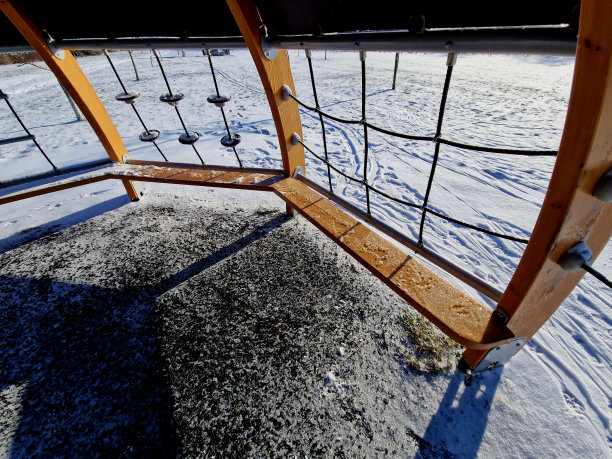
(134, 64)
(395, 70)
(76, 110)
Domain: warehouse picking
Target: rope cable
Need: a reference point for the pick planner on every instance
(362, 57)
(507, 151)
(596, 274)
(316, 98)
(33, 137)
(187, 133)
(418, 206)
(133, 105)
(450, 63)
(206, 52)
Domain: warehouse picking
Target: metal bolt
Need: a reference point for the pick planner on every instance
(286, 92)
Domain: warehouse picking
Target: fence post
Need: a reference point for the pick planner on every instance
(395, 70)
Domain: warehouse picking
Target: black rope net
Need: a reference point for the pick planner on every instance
(437, 139)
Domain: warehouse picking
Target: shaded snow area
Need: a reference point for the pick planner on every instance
(202, 322)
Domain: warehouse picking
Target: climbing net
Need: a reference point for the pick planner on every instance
(437, 139)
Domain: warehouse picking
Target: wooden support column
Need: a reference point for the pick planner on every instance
(72, 78)
(570, 213)
(274, 74)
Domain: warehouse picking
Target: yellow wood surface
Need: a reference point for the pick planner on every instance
(72, 78)
(274, 74)
(570, 213)
(460, 317)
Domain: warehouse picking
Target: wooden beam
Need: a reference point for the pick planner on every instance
(274, 74)
(569, 213)
(456, 314)
(150, 171)
(460, 317)
(74, 81)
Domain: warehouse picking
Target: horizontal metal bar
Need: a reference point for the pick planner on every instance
(64, 171)
(550, 41)
(127, 44)
(21, 138)
(15, 49)
(464, 276)
(529, 40)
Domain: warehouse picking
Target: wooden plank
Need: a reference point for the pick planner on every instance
(248, 179)
(256, 179)
(462, 318)
(455, 313)
(79, 180)
(569, 213)
(74, 81)
(274, 74)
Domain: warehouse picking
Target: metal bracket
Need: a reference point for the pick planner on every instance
(298, 171)
(500, 315)
(573, 260)
(57, 52)
(286, 92)
(500, 355)
(266, 48)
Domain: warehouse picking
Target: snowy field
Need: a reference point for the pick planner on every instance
(555, 397)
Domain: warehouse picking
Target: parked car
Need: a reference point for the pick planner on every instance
(219, 52)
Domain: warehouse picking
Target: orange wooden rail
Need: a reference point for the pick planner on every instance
(570, 213)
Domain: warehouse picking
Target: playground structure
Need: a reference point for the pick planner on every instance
(576, 209)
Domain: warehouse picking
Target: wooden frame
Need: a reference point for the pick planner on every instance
(76, 84)
(569, 214)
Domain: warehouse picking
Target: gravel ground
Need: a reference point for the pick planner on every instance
(191, 330)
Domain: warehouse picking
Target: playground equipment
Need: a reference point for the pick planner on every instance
(575, 221)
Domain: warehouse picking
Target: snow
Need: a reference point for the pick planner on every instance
(554, 398)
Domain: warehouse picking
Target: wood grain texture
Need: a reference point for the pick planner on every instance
(248, 179)
(72, 78)
(570, 213)
(460, 317)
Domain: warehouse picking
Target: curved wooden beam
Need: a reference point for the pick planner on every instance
(274, 74)
(570, 213)
(74, 81)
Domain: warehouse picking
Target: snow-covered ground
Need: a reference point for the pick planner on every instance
(557, 390)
